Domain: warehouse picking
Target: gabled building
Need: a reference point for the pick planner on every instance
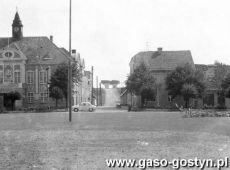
(26, 64)
(160, 63)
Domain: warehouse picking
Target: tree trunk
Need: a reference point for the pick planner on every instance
(186, 103)
(12, 105)
(56, 103)
(66, 102)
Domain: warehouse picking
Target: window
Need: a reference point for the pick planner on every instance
(1, 74)
(30, 97)
(30, 77)
(43, 77)
(17, 74)
(43, 97)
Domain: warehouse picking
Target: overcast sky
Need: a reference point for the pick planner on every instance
(107, 33)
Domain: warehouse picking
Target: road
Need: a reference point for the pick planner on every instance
(112, 95)
(114, 120)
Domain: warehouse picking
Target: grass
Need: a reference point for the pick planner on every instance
(87, 149)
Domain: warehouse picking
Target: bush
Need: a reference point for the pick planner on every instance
(221, 107)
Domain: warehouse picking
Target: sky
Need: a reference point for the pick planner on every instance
(108, 33)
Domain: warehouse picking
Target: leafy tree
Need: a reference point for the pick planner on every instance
(186, 82)
(226, 85)
(56, 93)
(60, 78)
(13, 96)
(219, 75)
(142, 82)
(188, 91)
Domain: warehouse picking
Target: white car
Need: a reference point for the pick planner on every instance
(84, 106)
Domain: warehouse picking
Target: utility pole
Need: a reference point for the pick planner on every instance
(92, 86)
(97, 92)
(70, 68)
(100, 95)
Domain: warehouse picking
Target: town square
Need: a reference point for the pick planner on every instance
(97, 85)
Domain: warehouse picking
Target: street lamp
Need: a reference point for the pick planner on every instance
(70, 68)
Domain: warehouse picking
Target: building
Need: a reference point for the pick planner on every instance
(212, 99)
(160, 63)
(83, 89)
(26, 64)
(86, 86)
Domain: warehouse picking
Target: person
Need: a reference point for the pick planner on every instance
(129, 107)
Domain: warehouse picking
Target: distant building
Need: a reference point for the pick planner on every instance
(212, 94)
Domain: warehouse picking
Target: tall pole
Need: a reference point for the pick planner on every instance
(70, 68)
(92, 87)
(100, 95)
(97, 92)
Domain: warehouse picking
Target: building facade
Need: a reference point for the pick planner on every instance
(26, 65)
(82, 91)
(161, 63)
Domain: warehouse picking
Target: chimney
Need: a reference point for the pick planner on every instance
(159, 49)
(51, 38)
(74, 54)
(73, 51)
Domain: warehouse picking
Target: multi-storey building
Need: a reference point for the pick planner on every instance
(163, 62)
(82, 90)
(160, 63)
(26, 64)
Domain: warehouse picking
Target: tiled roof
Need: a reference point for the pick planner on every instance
(163, 60)
(5, 41)
(32, 47)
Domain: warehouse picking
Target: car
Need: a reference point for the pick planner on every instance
(84, 106)
(118, 104)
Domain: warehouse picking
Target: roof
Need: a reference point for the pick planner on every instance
(124, 92)
(17, 20)
(5, 41)
(37, 47)
(163, 60)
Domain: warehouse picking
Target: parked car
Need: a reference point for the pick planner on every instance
(118, 104)
(84, 106)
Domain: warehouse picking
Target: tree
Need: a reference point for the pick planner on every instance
(186, 82)
(219, 75)
(57, 94)
(60, 78)
(142, 82)
(226, 85)
(13, 96)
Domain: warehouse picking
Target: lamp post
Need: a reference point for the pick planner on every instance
(70, 68)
